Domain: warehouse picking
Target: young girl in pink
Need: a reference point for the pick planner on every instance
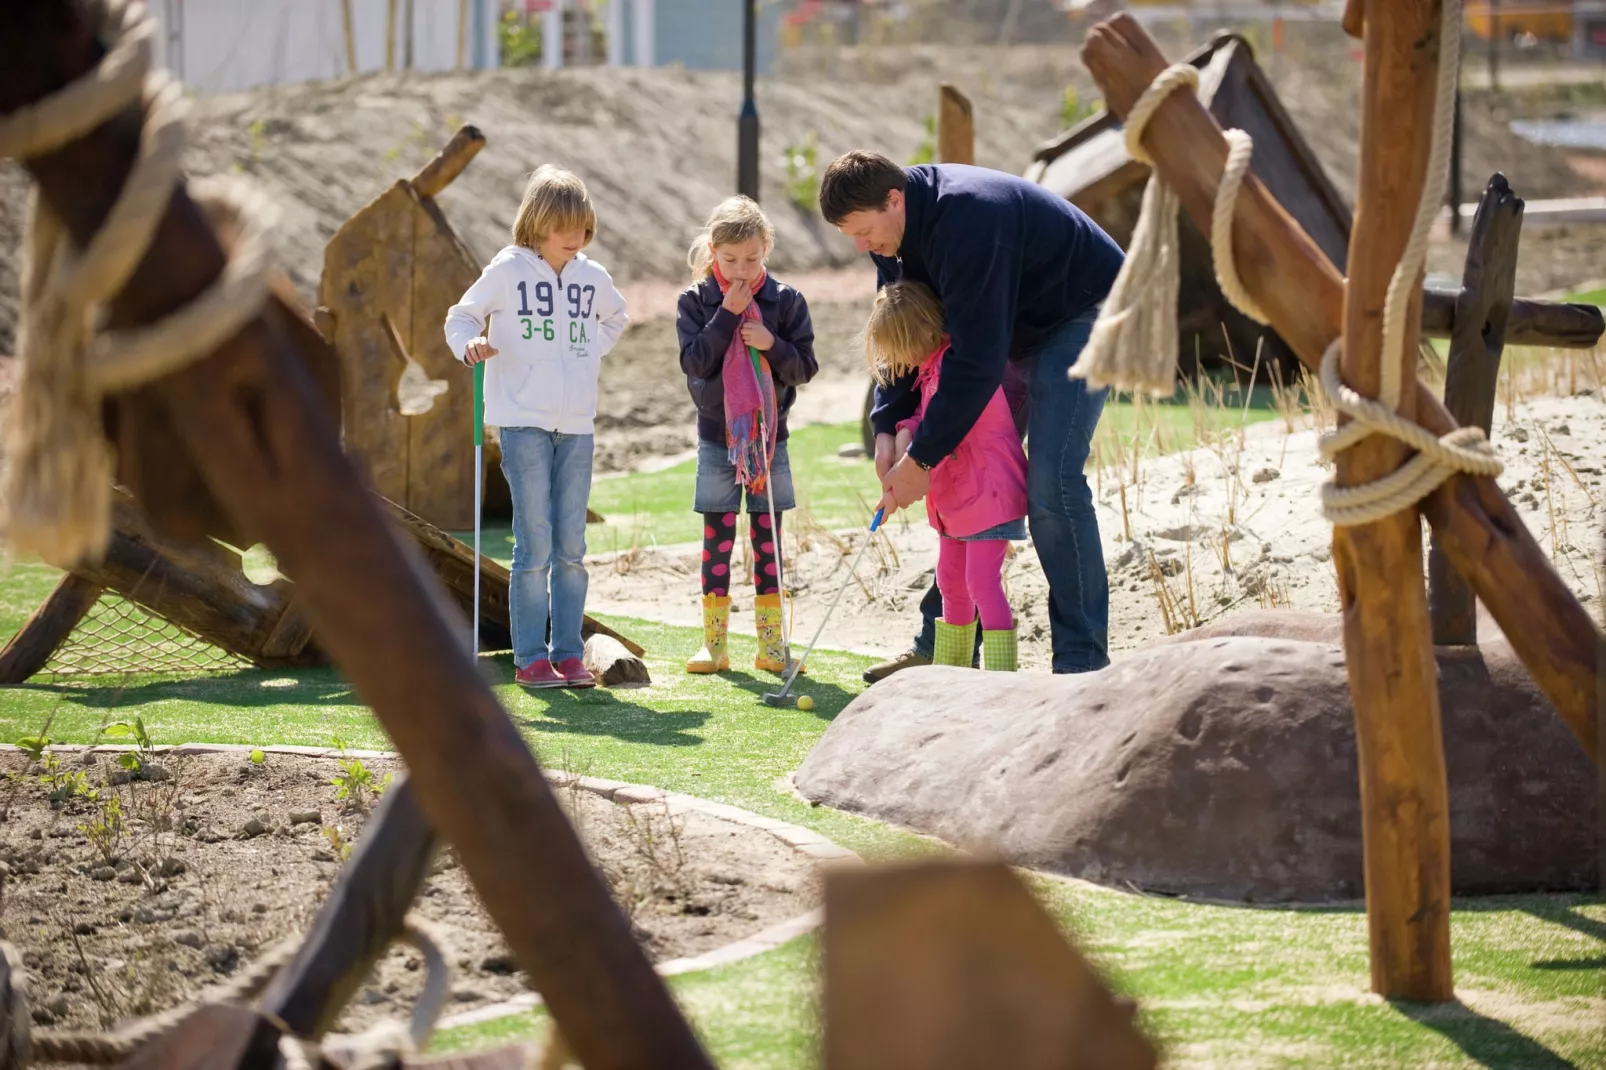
(977, 500)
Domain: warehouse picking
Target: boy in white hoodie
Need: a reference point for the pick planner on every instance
(546, 314)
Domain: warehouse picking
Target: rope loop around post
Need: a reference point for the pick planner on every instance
(56, 497)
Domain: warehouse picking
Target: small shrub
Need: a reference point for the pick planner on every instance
(803, 173)
(926, 151)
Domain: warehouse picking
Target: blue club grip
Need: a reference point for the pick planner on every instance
(875, 522)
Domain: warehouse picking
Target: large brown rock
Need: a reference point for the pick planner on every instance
(1223, 767)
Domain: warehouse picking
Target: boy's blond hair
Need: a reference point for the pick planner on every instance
(736, 219)
(554, 201)
(904, 328)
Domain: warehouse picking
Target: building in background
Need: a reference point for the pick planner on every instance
(217, 46)
(701, 35)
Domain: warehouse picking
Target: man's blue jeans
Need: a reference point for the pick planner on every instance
(1064, 526)
(549, 475)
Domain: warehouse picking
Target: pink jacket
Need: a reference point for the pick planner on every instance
(982, 483)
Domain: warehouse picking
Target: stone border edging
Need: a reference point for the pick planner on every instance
(803, 840)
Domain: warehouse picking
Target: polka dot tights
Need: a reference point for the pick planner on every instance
(719, 537)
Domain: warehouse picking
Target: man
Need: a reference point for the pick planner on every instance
(1020, 273)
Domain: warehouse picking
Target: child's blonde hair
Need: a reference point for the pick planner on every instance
(904, 328)
(554, 201)
(735, 220)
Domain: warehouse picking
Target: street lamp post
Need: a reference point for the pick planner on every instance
(747, 124)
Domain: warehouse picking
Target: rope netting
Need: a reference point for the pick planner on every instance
(119, 637)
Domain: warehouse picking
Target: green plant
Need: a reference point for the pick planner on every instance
(1073, 111)
(337, 843)
(61, 784)
(106, 832)
(803, 173)
(520, 41)
(144, 751)
(926, 151)
(257, 131)
(355, 781)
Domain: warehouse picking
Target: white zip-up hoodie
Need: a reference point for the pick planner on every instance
(550, 335)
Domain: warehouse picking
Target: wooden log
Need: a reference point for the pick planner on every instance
(947, 964)
(449, 162)
(1472, 374)
(1388, 645)
(356, 924)
(613, 665)
(43, 633)
(1299, 289)
(249, 418)
(1530, 322)
(956, 126)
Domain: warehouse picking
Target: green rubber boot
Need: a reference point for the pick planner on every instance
(954, 644)
(998, 651)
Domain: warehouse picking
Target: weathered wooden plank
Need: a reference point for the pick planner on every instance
(41, 634)
(943, 965)
(1388, 648)
(1471, 376)
(362, 915)
(249, 419)
(1530, 322)
(956, 126)
(1303, 294)
(454, 156)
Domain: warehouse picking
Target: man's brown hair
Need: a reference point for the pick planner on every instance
(858, 181)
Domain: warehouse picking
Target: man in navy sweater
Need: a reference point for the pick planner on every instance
(1020, 273)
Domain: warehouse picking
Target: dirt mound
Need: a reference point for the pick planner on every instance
(131, 911)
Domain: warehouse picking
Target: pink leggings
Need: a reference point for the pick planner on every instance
(970, 576)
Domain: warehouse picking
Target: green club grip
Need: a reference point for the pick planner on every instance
(479, 404)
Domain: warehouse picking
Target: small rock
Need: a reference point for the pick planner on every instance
(850, 449)
(1561, 429)
(465, 995)
(145, 916)
(1519, 433)
(305, 817)
(119, 776)
(371, 996)
(36, 834)
(129, 876)
(190, 938)
(1265, 475)
(171, 867)
(153, 772)
(259, 908)
(102, 873)
(42, 1016)
(84, 928)
(253, 827)
(322, 856)
(59, 1007)
(223, 959)
(501, 965)
(725, 876)
(125, 915)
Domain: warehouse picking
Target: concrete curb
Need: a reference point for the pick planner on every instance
(803, 840)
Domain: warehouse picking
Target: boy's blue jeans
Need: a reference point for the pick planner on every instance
(549, 475)
(1064, 526)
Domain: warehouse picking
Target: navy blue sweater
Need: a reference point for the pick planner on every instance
(706, 327)
(1011, 262)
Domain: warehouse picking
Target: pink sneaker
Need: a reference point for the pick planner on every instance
(538, 674)
(575, 673)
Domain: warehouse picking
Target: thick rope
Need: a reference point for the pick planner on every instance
(56, 495)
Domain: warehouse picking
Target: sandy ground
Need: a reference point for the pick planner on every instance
(1201, 534)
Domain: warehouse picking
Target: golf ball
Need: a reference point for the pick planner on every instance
(804, 702)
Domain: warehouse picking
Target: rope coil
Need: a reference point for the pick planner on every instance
(1133, 345)
(56, 497)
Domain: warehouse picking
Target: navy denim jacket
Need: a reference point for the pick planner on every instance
(706, 327)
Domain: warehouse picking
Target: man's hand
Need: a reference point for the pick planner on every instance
(476, 351)
(886, 456)
(904, 485)
(757, 335)
(737, 297)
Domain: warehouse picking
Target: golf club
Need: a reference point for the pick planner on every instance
(479, 476)
(783, 697)
(775, 536)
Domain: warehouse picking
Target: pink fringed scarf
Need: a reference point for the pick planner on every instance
(750, 408)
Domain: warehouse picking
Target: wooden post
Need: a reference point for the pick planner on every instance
(43, 633)
(351, 36)
(1290, 277)
(462, 32)
(1388, 649)
(390, 35)
(249, 421)
(956, 126)
(1471, 376)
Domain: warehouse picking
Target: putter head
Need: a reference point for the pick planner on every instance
(779, 698)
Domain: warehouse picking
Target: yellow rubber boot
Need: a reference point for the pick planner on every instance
(713, 657)
(771, 641)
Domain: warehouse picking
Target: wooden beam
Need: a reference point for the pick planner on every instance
(956, 126)
(1388, 647)
(1303, 294)
(1530, 322)
(249, 418)
(42, 634)
(350, 36)
(1471, 376)
(449, 162)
